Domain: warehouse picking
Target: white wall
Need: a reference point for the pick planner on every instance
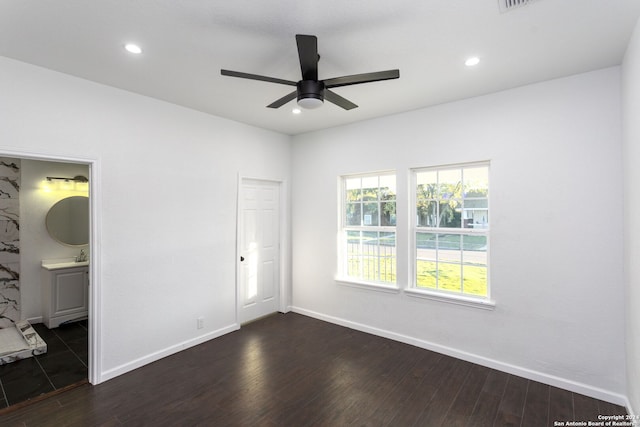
(556, 229)
(167, 199)
(35, 242)
(631, 155)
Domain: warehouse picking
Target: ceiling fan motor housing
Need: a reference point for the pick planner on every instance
(310, 93)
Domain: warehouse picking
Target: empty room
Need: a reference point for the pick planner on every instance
(320, 213)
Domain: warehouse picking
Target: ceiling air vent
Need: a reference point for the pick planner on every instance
(507, 5)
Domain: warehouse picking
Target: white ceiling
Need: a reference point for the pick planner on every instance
(187, 42)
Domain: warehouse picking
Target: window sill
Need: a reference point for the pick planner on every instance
(390, 289)
(483, 304)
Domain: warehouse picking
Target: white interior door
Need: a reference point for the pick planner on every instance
(259, 239)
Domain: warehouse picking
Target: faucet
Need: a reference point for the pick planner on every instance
(82, 257)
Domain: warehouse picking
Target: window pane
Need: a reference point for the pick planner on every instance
(427, 213)
(450, 183)
(369, 255)
(449, 248)
(353, 216)
(475, 280)
(370, 188)
(387, 251)
(449, 277)
(475, 244)
(370, 213)
(388, 239)
(427, 182)
(476, 181)
(353, 253)
(426, 245)
(450, 214)
(353, 189)
(475, 213)
(388, 187)
(388, 213)
(426, 274)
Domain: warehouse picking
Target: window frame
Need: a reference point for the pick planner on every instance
(460, 298)
(344, 228)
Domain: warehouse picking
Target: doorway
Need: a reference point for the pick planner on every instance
(71, 346)
(259, 239)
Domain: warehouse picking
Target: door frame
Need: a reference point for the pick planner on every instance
(284, 288)
(95, 295)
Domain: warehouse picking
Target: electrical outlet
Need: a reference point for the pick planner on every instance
(200, 322)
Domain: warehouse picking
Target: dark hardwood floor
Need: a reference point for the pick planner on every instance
(292, 370)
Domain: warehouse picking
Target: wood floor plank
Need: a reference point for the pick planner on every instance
(421, 396)
(512, 403)
(398, 399)
(486, 407)
(459, 414)
(434, 414)
(292, 370)
(585, 408)
(536, 406)
(561, 405)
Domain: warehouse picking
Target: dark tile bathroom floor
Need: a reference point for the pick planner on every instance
(64, 363)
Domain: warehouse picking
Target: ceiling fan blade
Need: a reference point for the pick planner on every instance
(338, 100)
(308, 54)
(362, 78)
(280, 102)
(256, 77)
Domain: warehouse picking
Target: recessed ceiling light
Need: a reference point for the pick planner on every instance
(472, 62)
(133, 48)
(296, 111)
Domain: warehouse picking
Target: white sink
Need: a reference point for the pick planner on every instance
(57, 264)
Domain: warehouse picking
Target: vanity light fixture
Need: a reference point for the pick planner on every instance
(77, 178)
(77, 183)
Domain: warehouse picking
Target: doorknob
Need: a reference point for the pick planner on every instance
(241, 258)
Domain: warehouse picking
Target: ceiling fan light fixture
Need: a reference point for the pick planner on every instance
(310, 103)
(310, 94)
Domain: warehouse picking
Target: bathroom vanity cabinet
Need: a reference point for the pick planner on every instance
(65, 292)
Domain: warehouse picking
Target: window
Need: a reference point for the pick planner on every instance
(369, 228)
(451, 230)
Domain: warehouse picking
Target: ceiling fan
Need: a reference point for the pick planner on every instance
(310, 91)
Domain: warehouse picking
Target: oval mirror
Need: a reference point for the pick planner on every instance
(68, 221)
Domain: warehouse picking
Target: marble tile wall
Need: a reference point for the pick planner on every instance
(9, 241)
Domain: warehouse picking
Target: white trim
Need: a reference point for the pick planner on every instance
(157, 355)
(574, 386)
(379, 287)
(632, 414)
(485, 304)
(95, 296)
(34, 320)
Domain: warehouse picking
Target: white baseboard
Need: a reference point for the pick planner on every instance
(34, 320)
(630, 411)
(576, 387)
(137, 363)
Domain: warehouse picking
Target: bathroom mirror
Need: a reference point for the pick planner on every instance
(68, 221)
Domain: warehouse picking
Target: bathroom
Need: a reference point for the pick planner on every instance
(26, 198)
